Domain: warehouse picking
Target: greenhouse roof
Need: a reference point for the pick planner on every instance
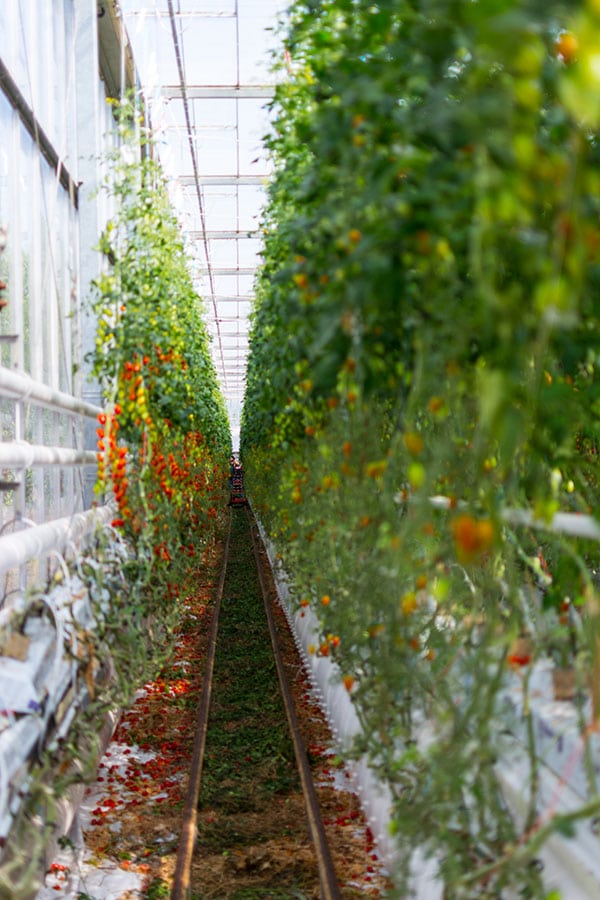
(205, 68)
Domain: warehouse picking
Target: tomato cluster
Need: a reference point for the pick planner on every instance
(112, 463)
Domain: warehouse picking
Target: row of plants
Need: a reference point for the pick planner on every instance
(424, 362)
(162, 445)
(163, 440)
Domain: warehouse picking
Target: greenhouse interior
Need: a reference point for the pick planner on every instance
(352, 250)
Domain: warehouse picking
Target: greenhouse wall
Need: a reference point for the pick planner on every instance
(56, 76)
(59, 62)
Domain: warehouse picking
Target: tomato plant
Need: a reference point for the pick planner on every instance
(164, 437)
(427, 327)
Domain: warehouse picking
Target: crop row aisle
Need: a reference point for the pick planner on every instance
(420, 428)
(251, 833)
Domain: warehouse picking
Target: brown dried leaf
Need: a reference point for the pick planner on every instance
(16, 646)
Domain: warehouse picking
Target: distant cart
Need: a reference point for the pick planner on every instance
(237, 494)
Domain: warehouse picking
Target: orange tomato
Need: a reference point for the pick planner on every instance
(567, 47)
(348, 682)
(472, 537)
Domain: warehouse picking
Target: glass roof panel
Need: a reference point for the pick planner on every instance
(203, 65)
(209, 127)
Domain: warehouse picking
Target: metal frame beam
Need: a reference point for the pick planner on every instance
(204, 180)
(218, 298)
(231, 270)
(224, 235)
(11, 91)
(220, 92)
(183, 14)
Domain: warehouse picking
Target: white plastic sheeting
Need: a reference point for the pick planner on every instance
(46, 680)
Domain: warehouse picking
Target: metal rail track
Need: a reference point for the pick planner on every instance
(181, 880)
(327, 878)
(181, 876)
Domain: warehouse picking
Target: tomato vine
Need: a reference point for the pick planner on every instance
(164, 439)
(427, 326)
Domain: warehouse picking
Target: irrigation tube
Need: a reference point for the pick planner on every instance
(22, 455)
(18, 548)
(20, 386)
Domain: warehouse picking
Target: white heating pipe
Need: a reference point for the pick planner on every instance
(22, 455)
(31, 543)
(20, 386)
(574, 524)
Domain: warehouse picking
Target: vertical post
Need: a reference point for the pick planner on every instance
(90, 125)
